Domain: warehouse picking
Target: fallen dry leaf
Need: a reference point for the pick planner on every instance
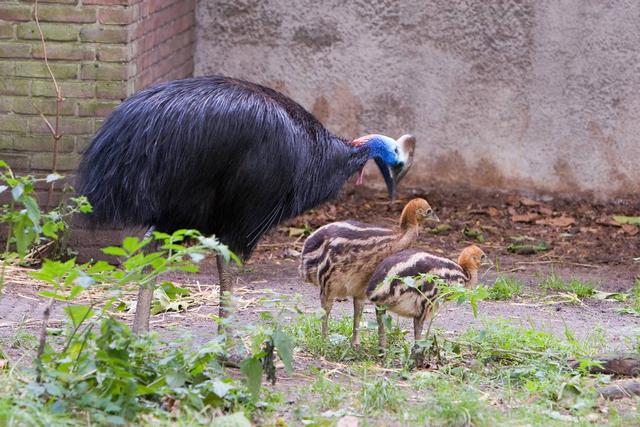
(528, 217)
(525, 201)
(512, 211)
(631, 230)
(560, 221)
(545, 211)
(605, 220)
(493, 212)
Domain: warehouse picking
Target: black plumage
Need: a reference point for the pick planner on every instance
(221, 155)
(224, 156)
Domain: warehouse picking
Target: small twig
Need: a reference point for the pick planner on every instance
(55, 131)
(43, 337)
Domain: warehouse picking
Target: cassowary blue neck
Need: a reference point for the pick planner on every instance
(376, 147)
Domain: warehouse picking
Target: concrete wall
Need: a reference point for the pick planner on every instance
(530, 95)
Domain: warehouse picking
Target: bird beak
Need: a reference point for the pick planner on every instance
(393, 175)
(487, 262)
(434, 217)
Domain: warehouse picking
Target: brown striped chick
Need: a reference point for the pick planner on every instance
(340, 257)
(388, 291)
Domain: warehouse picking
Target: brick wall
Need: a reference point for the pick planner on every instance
(100, 51)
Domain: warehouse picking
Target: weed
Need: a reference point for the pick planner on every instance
(307, 335)
(331, 394)
(505, 288)
(380, 395)
(581, 289)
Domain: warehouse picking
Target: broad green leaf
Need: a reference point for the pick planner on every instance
(54, 295)
(3, 164)
(234, 420)
(17, 191)
(33, 211)
(79, 313)
(114, 250)
(282, 342)
(252, 369)
(132, 244)
(221, 388)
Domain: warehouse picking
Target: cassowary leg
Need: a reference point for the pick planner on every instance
(145, 295)
(358, 306)
(382, 334)
(226, 274)
(327, 302)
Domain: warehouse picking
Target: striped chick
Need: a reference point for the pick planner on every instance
(388, 290)
(340, 257)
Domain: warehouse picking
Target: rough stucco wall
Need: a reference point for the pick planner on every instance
(530, 95)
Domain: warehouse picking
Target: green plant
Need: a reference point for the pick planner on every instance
(331, 394)
(581, 289)
(307, 335)
(505, 288)
(379, 395)
(26, 224)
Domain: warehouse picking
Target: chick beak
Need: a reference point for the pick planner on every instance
(433, 216)
(486, 261)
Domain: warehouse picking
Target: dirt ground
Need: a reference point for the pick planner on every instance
(581, 240)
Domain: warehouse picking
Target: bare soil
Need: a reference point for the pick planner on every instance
(584, 243)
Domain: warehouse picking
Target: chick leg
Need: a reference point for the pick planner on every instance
(358, 306)
(382, 334)
(418, 324)
(226, 275)
(327, 302)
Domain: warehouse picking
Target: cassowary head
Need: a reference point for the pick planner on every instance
(393, 157)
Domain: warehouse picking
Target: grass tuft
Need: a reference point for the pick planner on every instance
(505, 288)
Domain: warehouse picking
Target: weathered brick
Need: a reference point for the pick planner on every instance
(15, 50)
(54, 32)
(66, 162)
(98, 124)
(13, 123)
(104, 34)
(7, 30)
(15, 12)
(7, 69)
(6, 142)
(18, 162)
(100, 71)
(63, 13)
(107, 2)
(68, 89)
(96, 108)
(38, 69)
(117, 15)
(82, 142)
(66, 144)
(25, 105)
(71, 51)
(52, 1)
(114, 53)
(14, 86)
(6, 105)
(112, 90)
(68, 126)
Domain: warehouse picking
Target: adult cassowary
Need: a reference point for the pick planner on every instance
(224, 156)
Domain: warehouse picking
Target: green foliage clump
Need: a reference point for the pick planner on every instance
(505, 288)
(581, 289)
